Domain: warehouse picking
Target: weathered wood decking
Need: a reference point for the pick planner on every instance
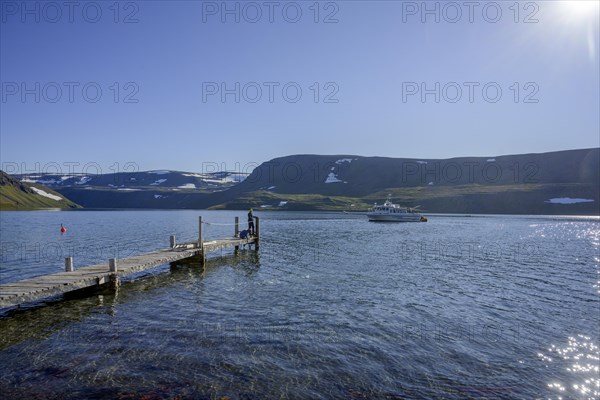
(42, 287)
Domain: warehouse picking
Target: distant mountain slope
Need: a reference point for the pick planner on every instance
(150, 189)
(361, 176)
(166, 198)
(148, 179)
(15, 195)
(564, 182)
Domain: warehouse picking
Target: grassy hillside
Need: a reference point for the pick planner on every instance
(15, 195)
(468, 199)
(298, 202)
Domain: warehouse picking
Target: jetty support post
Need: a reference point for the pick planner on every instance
(69, 264)
(201, 242)
(172, 241)
(256, 233)
(237, 232)
(112, 265)
(114, 278)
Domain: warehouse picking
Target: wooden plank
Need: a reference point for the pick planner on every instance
(25, 287)
(13, 292)
(20, 284)
(53, 282)
(21, 291)
(18, 293)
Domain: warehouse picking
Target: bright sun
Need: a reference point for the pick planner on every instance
(581, 8)
(580, 20)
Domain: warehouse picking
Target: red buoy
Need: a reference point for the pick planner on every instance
(62, 229)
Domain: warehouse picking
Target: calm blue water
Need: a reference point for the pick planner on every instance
(332, 306)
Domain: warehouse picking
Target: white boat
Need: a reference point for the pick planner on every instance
(390, 212)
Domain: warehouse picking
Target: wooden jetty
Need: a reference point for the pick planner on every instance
(46, 286)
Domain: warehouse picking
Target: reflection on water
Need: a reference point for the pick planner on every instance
(580, 357)
(331, 307)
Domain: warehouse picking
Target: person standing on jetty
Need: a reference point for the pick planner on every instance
(250, 222)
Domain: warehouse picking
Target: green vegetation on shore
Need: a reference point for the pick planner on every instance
(15, 195)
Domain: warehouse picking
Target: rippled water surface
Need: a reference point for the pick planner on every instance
(332, 306)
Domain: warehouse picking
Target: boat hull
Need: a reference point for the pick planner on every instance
(394, 218)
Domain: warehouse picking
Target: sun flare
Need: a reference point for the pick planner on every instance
(581, 8)
(581, 20)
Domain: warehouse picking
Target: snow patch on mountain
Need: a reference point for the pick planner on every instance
(46, 194)
(332, 178)
(219, 177)
(567, 200)
(45, 182)
(83, 180)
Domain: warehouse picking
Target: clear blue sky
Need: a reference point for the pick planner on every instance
(371, 61)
